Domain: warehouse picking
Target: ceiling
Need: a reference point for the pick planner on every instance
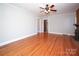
(60, 7)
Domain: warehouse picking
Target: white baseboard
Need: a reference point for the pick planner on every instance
(7, 42)
(62, 33)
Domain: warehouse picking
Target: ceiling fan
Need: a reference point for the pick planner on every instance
(48, 8)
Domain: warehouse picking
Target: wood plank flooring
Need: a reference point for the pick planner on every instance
(42, 45)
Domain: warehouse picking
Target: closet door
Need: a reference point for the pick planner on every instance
(77, 16)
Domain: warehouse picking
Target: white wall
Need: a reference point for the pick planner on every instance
(61, 23)
(15, 22)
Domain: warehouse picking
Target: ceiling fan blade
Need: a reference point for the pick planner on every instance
(42, 8)
(52, 6)
(41, 11)
(53, 10)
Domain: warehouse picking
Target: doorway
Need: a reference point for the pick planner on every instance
(42, 26)
(45, 26)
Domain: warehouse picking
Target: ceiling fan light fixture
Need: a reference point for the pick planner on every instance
(46, 11)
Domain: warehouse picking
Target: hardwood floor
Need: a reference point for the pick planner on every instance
(42, 45)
